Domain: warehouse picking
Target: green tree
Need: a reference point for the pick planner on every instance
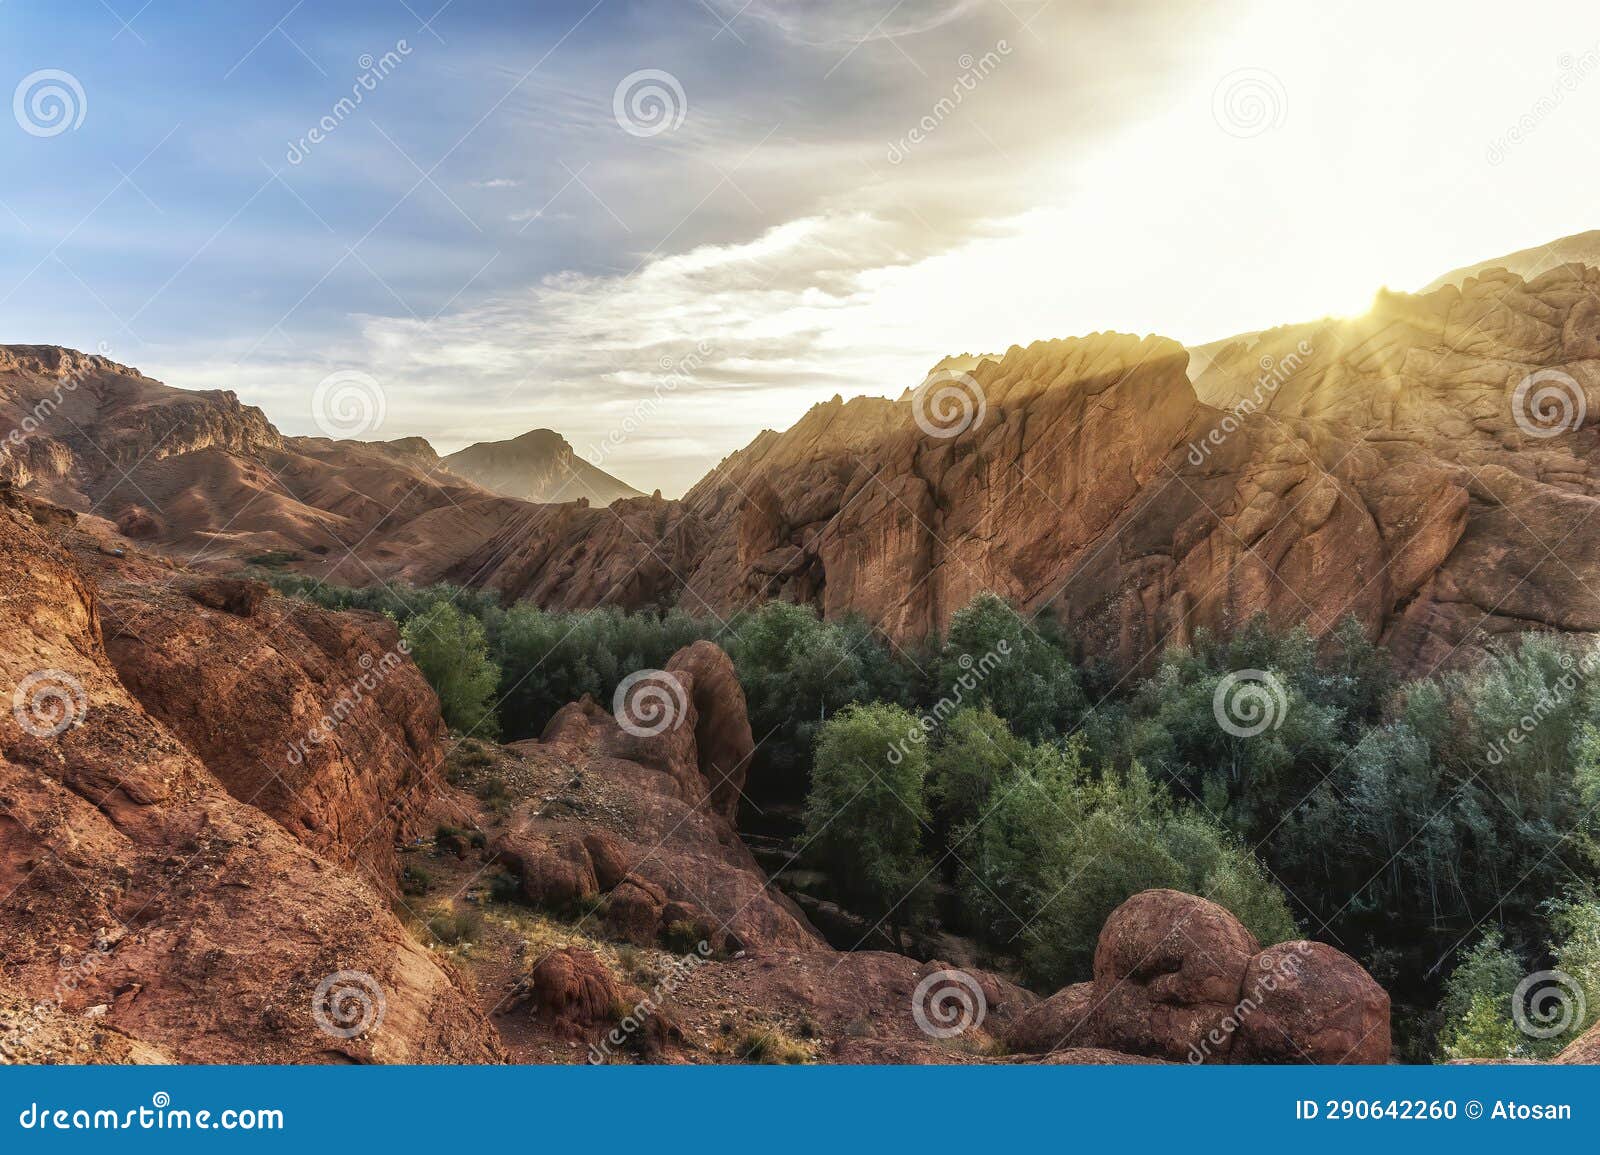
(450, 648)
(1019, 666)
(865, 817)
(975, 752)
(797, 672)
(552, 658)
(1060, 847)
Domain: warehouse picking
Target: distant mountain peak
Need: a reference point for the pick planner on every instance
(539, 466)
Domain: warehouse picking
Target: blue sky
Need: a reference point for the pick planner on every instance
(485, 239)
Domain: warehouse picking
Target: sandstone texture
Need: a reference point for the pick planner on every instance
(144, 904)
(1177, 977)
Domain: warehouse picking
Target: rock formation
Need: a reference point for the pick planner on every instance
(1177, 977)
(1393, 467)
(206, 794)
(137, 891)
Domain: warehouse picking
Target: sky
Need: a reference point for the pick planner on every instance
(661, 227)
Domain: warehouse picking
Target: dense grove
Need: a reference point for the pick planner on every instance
(1443, 831)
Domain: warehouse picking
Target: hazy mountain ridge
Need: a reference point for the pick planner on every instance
(538, 466)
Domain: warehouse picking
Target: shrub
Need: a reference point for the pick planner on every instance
(771, 1045)
(681, 937)
(415, 879)
(555, 658)
(456, 926)
(866, 813)
(1061, 847)
(504, 887)
(975, 752)
(797, 672)
(450, 649)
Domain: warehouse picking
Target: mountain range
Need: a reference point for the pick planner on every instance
(1391, 467)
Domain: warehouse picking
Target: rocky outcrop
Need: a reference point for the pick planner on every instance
(205, 478)
(138, 892)
(644, 820)
(1177, 977)
(319, 720)
(1373, 468)
(571, 990)
(723, 745)
(1310, 1003)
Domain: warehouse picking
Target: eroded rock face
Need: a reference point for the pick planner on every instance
(1585, 1049)
(573, 991)
(1057, 1023)
(1311, 1003)
(319, 720)
(722, 739)
(209, 480)
(1373, 467)
(661, 848)
(1177, 977)
(201, 925)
